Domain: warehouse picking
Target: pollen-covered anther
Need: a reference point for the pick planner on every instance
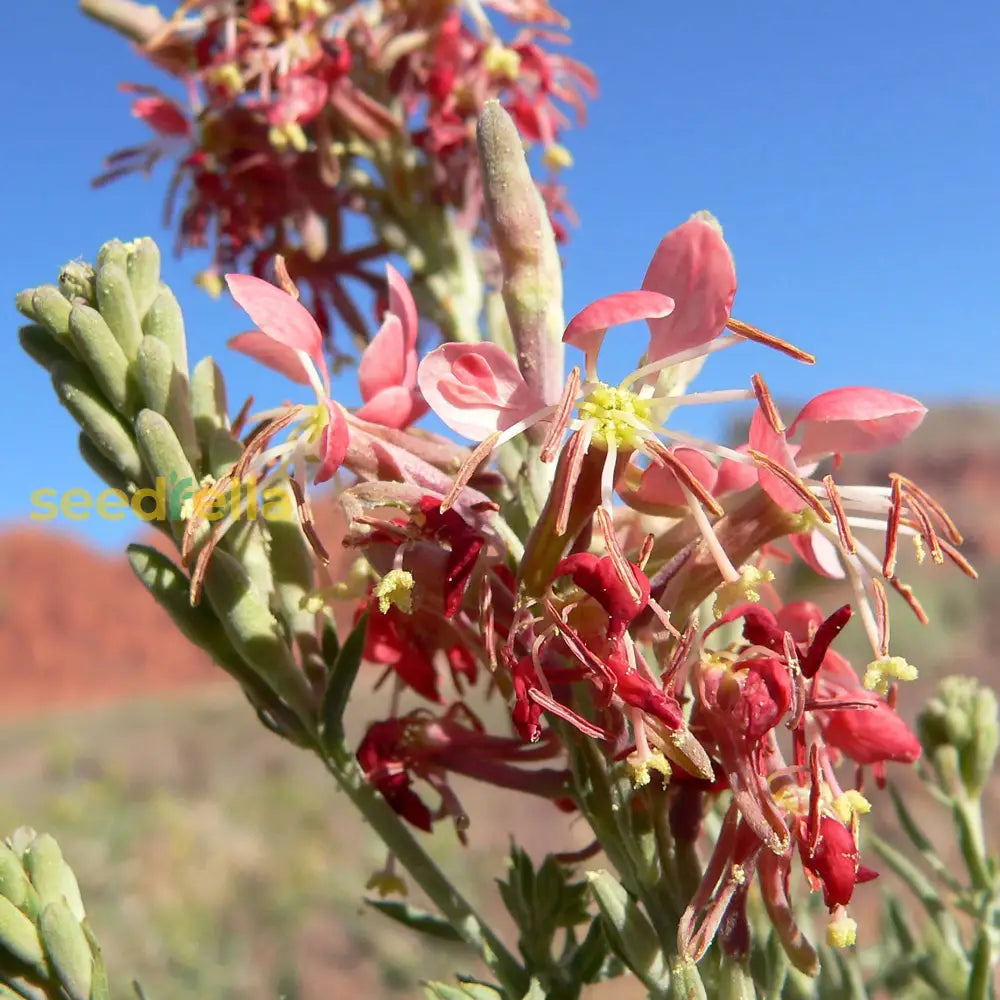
(881, 672)
(842, 930)
(741, 590)
(617, 414)
(640, 765)
(395, 589)
(849, 804)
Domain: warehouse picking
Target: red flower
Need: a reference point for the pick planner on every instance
(833, 860)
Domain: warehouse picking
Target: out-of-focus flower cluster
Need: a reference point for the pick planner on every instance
(335, 133)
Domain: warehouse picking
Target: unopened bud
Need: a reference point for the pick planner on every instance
(76, 281)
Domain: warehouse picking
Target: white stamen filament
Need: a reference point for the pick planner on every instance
(719, 344)
(729, 572)
(608, 472)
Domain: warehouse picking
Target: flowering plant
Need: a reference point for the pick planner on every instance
(616, 581)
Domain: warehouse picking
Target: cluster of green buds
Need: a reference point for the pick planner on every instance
(47, 951)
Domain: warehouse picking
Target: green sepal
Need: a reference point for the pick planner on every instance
(68, 950)
(100, 352)
(340, 680)
(117, 306)
(416, 919)
(143, 270)
(165, 321)
(39, 344)
(590, 957)
(78, 392)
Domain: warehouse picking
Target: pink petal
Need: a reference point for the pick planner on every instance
(395, 407)
(693, 265)
(383, 362)
(660, 487)
(587, 328)
(401, 304)
(333, 443)
(856, 419)
(734, 476)
(278, 357)
(818, 553)
(774, 446)
(162, 115)
(475, 389)
(301, 98)
(278, 315)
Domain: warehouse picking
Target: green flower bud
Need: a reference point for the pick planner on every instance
(959, 726)
(117, 305)
(165, 391)
(39, 344)
(76, 281)
(208, 400)
(113, 252)
(19, 936)
(51, 308)
(166, 321)
(164, 457)
(97, 347)
(522, 233)
(143, 269)
(78, 393)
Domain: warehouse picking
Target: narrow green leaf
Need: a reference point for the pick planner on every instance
(143, 269)
(42, 347)
(339, 684)
(68, 950)
(416, 919)
(920, 840)
(117, 305)
(165, 321)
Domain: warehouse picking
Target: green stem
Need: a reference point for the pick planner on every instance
(423, 870)
(969, 819)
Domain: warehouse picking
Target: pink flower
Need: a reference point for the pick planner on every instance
(289, 341)
(476, 389)
(387, 372)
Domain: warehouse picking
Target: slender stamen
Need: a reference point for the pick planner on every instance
(958, 559)
(719, 344)
(730, 574)
(749, 332)
(767, 405)
(486, 623)
(685, 476)
(881, 616)
(576, 450)
(679, 657)
(468, 468)
(621, 565)
(927, 532)
(793, 482)
(608, 473)
(892, 528)
(798, 705)
(560, 420)
(307, 522)
(664, 618)
(906, 592)
(646, 550)
(928, 501)
(843, 528)
(240, 420)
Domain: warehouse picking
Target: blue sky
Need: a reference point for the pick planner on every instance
(849, 150)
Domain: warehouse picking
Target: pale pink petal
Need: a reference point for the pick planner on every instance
(693, 265)
(383, 361)
(301, 98)
(587, 328)
(475, 389)
(734, 476)
(774, 446)
(333, 443)
(855, 419)
(278, 315)
(401, 304)
(278, 357)
(819, 553)
(660, 488)
(395, 407)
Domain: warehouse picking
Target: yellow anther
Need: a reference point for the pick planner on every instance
(879, 673)
(851, 803)
(641, 766)
(741, 590)
(842, 932)
(227, 77)
(387, 883)
(557, 157)
(210, 281)
(918, 547)
(739, 874)
(502, 62)
(395, 589)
